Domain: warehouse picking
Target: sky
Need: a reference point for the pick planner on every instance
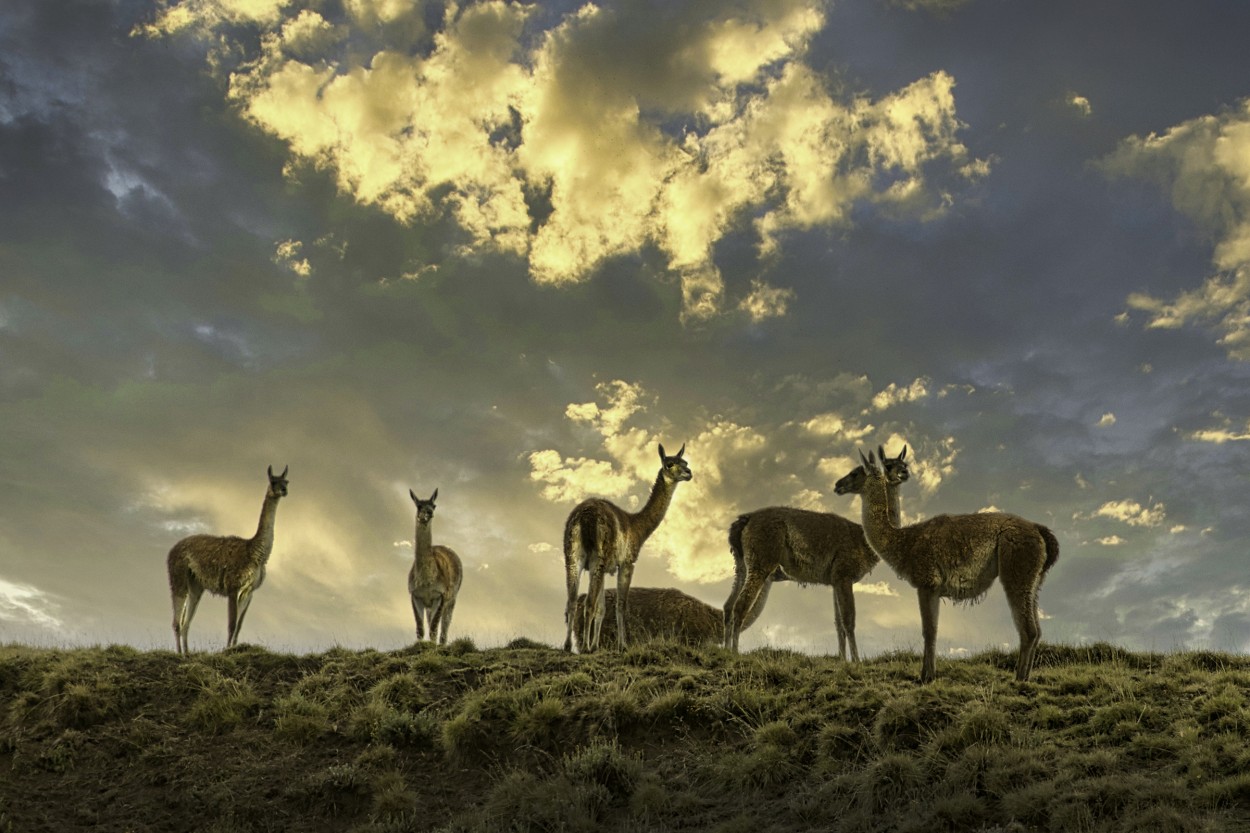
(506, 250)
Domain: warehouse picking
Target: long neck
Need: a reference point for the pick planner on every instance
(423, 543)
(881, 532)
(262, 541)
(648, 518)
(892, 504)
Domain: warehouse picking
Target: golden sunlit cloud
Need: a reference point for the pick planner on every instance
(671, 141)
(1131, 512)
(1204, 164)
(893, 394)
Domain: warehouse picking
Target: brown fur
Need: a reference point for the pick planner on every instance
(227, 566)
(603, 539)
(435, 577)
(657, 612)
(780, 542)
(958, 557)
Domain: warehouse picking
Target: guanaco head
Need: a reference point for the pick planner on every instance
(277, 482)
(675, 468)
(425, 508)
(896, 472)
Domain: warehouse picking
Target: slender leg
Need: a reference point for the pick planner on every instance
(232, 613)
(245, 601)
(194, 592)
(436, 618)
(418, 610)
(574, 558)
(740, 574)
(746, 601)
(449, 607)
(180, 604)
(930, 604)
(837, 624)
(758, 607)
(1024, 612)
(594, 609)
(844, 609)
(623, 578)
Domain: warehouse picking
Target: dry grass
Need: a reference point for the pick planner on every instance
(661, 737)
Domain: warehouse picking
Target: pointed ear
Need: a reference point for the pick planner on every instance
(903, 456)
(881, 452)
(864, 459)
(270, 470)
(414, 497)
(434, 496)
(662, 452)
(681, 451)
(284, 471)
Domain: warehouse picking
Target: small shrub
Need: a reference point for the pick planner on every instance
(890, 781)
(1223, 710)
(403, 691)
(908, 720)
(522, 801)
(538, 725)
(460, 647)
(392, 799)
(839, 742)
(337, 790)
(1031, 803)
(525, 643)
(222, 705)
(604, 765)
(299, 719)
(60, 755)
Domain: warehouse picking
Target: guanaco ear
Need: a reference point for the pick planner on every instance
(903, 456)
(284, 471)
(681, 451)
(270, 470)
(661, 452)
(414, 497)
(434, 496)
(881, 453)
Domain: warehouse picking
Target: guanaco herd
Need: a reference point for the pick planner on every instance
(948, 556)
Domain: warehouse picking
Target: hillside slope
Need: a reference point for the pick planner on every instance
(659, 738)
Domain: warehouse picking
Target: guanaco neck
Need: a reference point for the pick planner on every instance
(423, 547)
(648, 518)
(262, 541)
(892, 504)
(878, 501)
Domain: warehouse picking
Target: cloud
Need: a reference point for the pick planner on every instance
(1106, 420)
(1225, 433)
(941, 8)
(26, 604)
(836, 427)
(1080, 104)
(287, 254)
(766, 301)
(894, 395)
(602, 135)
(1132, 513)
(1111, 541)
(877, 588)
(1204, 164)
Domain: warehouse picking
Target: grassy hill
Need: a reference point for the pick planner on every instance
(660, 738)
